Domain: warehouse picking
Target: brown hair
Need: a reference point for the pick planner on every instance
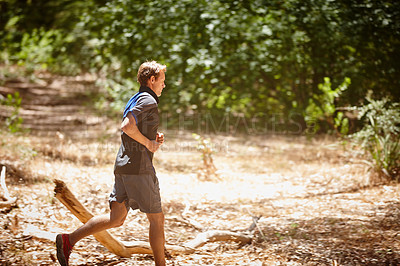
(148, 69)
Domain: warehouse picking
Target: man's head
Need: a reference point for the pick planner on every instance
(152, 75)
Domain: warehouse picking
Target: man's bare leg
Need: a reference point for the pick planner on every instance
(156, 237)
(99, 223)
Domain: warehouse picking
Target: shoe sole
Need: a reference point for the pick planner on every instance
(60, 251)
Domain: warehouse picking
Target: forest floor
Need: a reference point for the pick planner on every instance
(313, 196)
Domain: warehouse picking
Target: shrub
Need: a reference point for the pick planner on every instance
(41, 49)
(14, 121)
(321, 108)
(380, 135)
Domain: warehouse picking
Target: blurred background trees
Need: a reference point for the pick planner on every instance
(248, 59)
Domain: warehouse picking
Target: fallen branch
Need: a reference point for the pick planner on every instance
(110, 242)
(8, 200)
(66, 197)
(186, 221)
(255, 224)
(34, 231)
(126, 249)
(7, 204)
(217, 235)
(13, 169)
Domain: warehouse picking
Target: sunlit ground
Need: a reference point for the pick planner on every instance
(312, 196)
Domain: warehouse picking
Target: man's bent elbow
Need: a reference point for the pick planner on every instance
(127, 127)
(128, 130)
(123, 127)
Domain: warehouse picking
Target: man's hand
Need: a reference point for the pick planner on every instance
(153, 145)
(129, 127)
(160, 138)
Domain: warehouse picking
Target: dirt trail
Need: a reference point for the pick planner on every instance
(309, 194)
(57, 104)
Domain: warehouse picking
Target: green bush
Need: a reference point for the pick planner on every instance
(43, 49)
(14, 121)
(321, 110)
(251, 59)
(380, 135)
(119, 91)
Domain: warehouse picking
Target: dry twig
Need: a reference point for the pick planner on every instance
(8, 200)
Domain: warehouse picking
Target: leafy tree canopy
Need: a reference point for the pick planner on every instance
(253, 58)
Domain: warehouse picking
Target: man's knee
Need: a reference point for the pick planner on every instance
(118, 214)
(116, 222)
(156, 218)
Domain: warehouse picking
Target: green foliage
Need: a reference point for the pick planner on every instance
(14, 121)
(322, 109)
(43, 35)
(5, 74)
(118, 91)
(239, 57)
(380, 135)
(40, 48)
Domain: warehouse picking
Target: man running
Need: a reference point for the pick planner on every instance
(136, 185)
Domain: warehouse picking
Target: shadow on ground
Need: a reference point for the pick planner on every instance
(339, 241)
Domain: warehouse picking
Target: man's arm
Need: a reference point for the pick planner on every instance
(129, 127)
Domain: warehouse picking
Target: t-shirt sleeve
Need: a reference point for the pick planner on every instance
(141, 108)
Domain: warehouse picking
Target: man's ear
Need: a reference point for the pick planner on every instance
(152, 79)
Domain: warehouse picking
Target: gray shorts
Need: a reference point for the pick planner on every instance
(138, 191)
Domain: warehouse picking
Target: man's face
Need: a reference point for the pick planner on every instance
(158, 84)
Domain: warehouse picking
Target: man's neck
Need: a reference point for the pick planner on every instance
(152, 93)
